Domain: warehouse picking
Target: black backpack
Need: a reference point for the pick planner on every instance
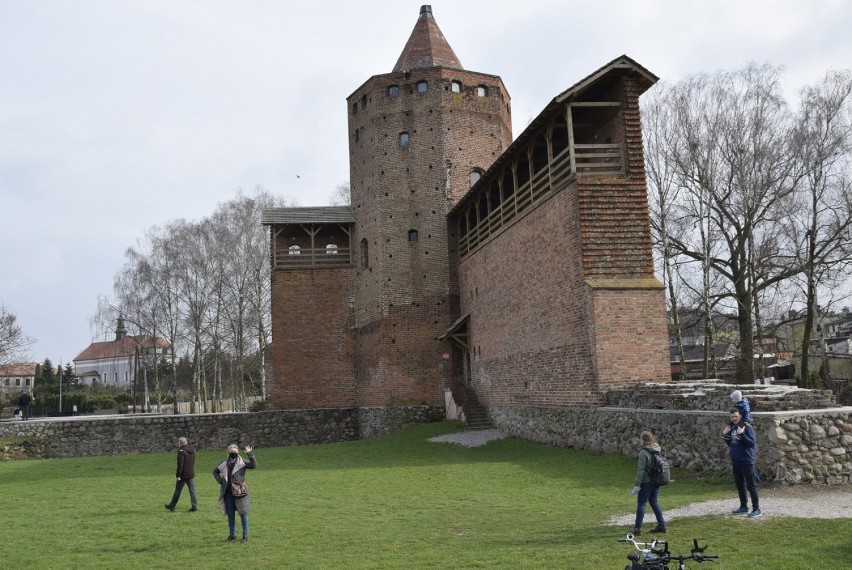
(659, 470)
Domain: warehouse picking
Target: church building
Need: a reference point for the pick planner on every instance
(472, 266)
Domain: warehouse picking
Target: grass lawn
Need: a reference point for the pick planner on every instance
(391, 502)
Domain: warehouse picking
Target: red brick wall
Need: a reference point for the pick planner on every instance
(615, 229)
(530, 311)
(311, 322)
(564, 303)
(404, 299)
(630, 336)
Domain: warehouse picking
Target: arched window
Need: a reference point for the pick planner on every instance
(482, 91)
(422, 87)
(403, 140)
(294, 250)
(412, 235)
(455, 86)
(354, 108)
(393, 90)
(331, 249)
(365, 259)
(475, 175)
(357, 134)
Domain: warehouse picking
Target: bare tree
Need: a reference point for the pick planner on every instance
(13, 341)
(730, 154)
(205, 286)
(342, 196)
(822, 214)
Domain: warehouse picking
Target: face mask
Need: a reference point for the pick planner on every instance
(233, 455)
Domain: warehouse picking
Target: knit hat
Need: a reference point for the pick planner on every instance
(736, 395)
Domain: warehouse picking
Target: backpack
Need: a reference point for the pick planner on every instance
(659, 470)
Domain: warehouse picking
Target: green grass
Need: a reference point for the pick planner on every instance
(391, 502)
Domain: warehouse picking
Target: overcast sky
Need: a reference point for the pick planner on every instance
(119, 115)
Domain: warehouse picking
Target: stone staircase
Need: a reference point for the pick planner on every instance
(474, 411)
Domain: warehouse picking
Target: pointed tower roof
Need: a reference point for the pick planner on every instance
(427, 46)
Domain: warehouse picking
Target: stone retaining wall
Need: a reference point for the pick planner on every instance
(804, 446)
(119, 435)
(715, 395)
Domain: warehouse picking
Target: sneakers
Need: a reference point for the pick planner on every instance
(658, 530)
(740, 511)
(245, 539)
(170, 507)
(754, 513)
(193, 509)
(636, 531)
(227, 539)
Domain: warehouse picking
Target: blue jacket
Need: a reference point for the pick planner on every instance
(742, 447)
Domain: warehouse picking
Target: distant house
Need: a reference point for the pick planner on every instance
(17, 378)
(115, 362)
(777, 365)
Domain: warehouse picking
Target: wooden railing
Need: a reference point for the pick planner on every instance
(590, 160)
(320, 256)
(594, 159)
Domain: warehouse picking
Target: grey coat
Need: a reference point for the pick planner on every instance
(220, 473)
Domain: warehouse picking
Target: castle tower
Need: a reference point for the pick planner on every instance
(418, 137)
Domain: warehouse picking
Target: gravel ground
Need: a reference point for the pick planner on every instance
(801, 501)
(470, 438)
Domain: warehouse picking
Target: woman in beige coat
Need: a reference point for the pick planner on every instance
(233, 470)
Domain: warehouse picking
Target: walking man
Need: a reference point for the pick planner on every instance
(24, 404)
(742, 446)
(185, 475)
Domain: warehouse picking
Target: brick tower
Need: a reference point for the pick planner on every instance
(418, 137)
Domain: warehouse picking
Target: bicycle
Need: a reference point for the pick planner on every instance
(655, 555)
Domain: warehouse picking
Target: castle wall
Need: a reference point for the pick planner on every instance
(796, 447)
(530, 311)
(121, 435)
(804, 446)
(403, 297)
(311, 328)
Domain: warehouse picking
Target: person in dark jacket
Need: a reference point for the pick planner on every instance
(24, 404)
(742, 447)
(233, 470)
(646, 491)
(185, 475)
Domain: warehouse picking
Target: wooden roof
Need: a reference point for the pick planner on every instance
(319, 215)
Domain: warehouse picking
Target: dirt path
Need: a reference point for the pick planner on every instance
(801, 501)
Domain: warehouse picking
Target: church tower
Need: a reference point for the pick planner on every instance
(419, 136)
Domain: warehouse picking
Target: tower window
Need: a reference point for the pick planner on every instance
(294, 250)
(403, 140)
(422, 86)
(365, 259)
(354, 108)
(393, 90)
(364, 100)
(482, 91)
(455, 86)
(475, 175)
(357, 134)
(412, 235)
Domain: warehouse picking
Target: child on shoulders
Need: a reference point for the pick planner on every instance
(742, 405)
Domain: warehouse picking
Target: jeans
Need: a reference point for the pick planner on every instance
(744, 479)
(231, 509)
(648, 494)
(179, 487)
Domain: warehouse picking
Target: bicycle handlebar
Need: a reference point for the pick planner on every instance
(697, 553)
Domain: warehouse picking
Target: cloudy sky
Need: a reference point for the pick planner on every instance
(119, 115)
